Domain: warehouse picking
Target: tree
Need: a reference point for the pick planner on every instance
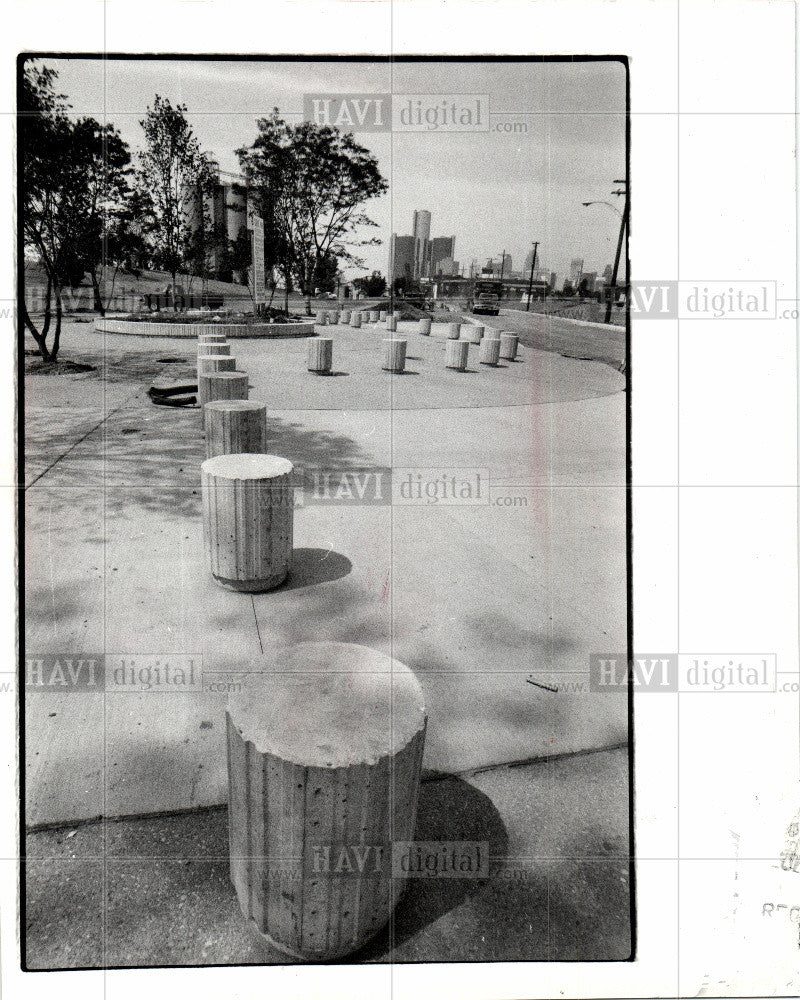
(74, 177)
(372, 285)
(313, 181)
(176, 174)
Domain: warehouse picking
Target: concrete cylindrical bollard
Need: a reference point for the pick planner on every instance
(394, 359)
(391, 323)
(344, 318)
(382, 314)
(373, 316)
(333, 317)
(324, 758)
(489, 351)
(424, 327)
(221, 385)
(248, 511)
(215, 363)
(452, 331)
(473, 333)
(508, 346)
(319, 355)
(235, 427)
(456, 353)
(355, 320)
(320, 317)
(208, 349)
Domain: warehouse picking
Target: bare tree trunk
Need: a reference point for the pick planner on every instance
(98, 300)
(57, 333)
(38, 337)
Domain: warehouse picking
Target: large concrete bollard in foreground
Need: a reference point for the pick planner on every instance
(424, 327)
(473, 334)
(215, 363)
(508, 346)
(456, 353)
(344, 318)
(221, 385)
(373, 316)
(248, 511)
(324, 758)
(452, 331)
(319, 355)
(391, 323)
(208, 349)
(394, 359)
(355, 320)
(235, 427)
(489, 353)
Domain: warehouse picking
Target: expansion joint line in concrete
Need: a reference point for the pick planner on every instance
(81, 439)
(434, 776)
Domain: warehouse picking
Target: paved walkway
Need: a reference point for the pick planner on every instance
(479, 599)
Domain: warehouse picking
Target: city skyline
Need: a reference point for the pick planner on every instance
(493, 190)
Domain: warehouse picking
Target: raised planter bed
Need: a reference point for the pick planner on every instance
(146, 328)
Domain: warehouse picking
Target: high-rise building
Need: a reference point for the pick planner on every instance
(589, 280)
(421, 225)
(575, 271)
(401, 257)
(553, 279)
(442, 248)
(446, 267)
(607, 272)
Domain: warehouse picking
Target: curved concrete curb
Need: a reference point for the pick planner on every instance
(144, 328)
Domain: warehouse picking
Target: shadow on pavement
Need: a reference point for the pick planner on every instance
(449, 810)
(312, 566)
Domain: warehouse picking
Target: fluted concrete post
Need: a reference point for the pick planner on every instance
(324, 758)
(319, 317)
(395, 355)
(424, 327)
(355, 320)
(333, 317)
(235, 427)
(473, 333)
(456, 353)
(452, 331)
(248, 510)
(215, 363)
(391, 323)
(221, 385)
(489, 353)
(373, 316)
(319, 355)
(382, 314)
(508, 346)
(215, 348)
(344, 318)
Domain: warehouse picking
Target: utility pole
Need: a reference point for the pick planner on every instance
(533, 268)
(623, 223)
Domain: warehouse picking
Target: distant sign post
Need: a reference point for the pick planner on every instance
(256, 225)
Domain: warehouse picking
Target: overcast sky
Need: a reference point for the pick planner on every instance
(494, 191)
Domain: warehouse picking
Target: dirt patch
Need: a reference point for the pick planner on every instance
(36, 365)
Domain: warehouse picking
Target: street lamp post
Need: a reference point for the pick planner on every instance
(623, 223)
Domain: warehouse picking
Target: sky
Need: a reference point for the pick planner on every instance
(495, 190)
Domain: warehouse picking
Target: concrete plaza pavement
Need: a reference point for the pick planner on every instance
(478, 599)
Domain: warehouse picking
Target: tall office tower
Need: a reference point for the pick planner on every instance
(421, 234)
(421, 229)
(442, 248)
(401, 257)
(575, 271)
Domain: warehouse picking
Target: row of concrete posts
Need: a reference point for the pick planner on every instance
(332, 716)
(494, 346)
